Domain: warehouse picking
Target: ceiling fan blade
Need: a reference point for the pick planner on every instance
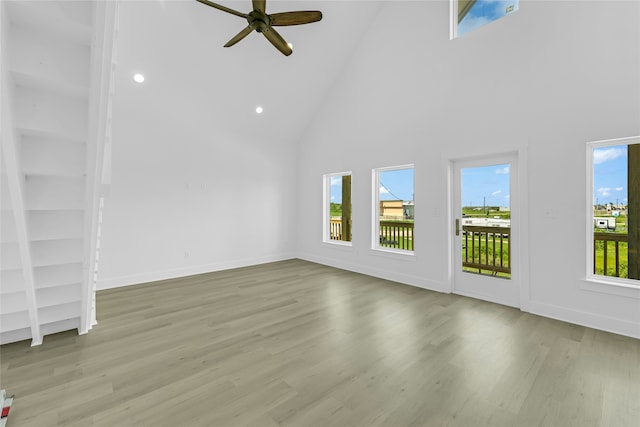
(277, 40)
(242, 34)
(259, 5)
(223, 8)
(295, 18)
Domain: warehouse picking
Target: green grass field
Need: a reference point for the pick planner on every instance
(482, 251)
(611, 253)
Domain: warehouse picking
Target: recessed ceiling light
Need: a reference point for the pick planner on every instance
(139, 78)
(259, 110)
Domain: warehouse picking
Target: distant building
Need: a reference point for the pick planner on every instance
(396, 210)
(487, 222)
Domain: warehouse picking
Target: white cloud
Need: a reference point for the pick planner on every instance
(496, 193)
(601, 155)
(619, 188)
(333, 197)
(508, 196)
(604, 191)
(503, 171)
(336, 180)
(383, 190)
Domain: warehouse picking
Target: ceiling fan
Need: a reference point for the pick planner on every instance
(262, 22)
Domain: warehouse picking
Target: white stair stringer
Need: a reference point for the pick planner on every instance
(103, 64)
(18, 311)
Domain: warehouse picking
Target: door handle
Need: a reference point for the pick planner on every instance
(457, 226)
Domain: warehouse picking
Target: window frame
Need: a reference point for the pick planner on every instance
(453, 18)
(326, 229)
(375, 211)
(594, 282)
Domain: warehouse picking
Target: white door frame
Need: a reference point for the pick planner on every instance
(520, 227)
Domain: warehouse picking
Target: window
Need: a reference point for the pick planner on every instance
(394, 208)
(467, 15)
(613, 249)
(338, 208)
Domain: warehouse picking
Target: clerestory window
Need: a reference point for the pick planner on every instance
(467, 15)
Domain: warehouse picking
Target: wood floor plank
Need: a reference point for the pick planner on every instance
(295, 343)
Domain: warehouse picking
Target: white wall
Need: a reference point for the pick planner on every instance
(182, 202)
(187, 196)
(544, 80)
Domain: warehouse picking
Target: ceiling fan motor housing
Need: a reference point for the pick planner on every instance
(259, 21)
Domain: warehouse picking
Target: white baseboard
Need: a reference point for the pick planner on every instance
(136, 279)
(406, 279)
(590, 320)
(595, 321)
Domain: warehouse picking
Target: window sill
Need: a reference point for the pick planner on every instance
(612, 286)
(394, 253)
(337, 244)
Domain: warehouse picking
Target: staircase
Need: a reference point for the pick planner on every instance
(56, 59)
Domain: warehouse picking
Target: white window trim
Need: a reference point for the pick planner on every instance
(375, 211)
(453, 30)
(596, 283)
(326, 238)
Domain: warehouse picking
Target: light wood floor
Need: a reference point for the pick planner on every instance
(299, 344)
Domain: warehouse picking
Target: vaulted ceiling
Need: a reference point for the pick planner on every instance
(178, 46)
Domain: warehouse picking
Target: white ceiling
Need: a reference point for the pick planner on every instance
(178, 46)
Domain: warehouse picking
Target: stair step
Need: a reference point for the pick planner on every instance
(13, 321)
(60, 326)
(54, 193)
(5, 196)
(52, 252)
(11, 281)
(57, 275)
(52, 225)
(8, 227)
(64, 19)
(35, 55)
(32, 54)
(58, 295)
(58, 313)
(49, 84)
(41, 157)
(13, 302)
(49, 112)
(15, 335)
(10, 259)
(51, 136)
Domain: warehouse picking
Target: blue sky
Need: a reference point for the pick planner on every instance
(485, 11)
(395, 185)
(610, 175)
(486, 182)
(336, 189)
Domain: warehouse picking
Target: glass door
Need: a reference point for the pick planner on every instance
(483, 236)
